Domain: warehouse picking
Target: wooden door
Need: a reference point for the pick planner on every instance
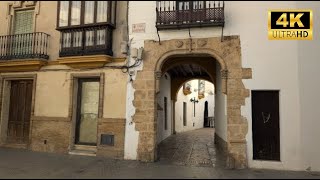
(265, 125)
(19, 111)
(206, 122)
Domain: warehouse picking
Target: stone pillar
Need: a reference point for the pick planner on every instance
(144, 118)
(237, 125)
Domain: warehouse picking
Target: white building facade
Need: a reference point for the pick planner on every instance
(288, 67)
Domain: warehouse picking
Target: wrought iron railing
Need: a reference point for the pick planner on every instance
(186, 14)
(24, 46)
(86, 41)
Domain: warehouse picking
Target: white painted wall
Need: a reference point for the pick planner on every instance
(309, 65)
(220, 107)
(165, 91)
(199, 115)
(276, 65)
(131, 135)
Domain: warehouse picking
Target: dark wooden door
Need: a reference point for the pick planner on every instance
(265, 125)
(206, 122)
(19, 111)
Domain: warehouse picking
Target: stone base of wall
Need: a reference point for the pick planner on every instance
(50, 134)
(222, 145)
(114, 127)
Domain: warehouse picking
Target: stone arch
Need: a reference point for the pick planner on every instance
(199, 52)
(183, 52)
(228, 54)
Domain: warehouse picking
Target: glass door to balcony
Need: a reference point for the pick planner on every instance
(22, 25)
(190, 11)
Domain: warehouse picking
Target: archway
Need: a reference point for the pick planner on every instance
(227, 53)
(185, 80)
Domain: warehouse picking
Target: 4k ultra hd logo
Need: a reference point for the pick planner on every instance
(290, 24)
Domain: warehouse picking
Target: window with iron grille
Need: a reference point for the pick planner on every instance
(86, 27)
(186, 14)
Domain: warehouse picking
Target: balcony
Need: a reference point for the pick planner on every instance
(23, 52)
(187, 14)
(24, 46)
(81, 41)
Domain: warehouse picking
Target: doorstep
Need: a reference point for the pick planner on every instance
(84, 150)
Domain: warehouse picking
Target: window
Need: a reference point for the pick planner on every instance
(86, 27)
(89, 12)
(187, 5)
(23, 23)
(201, 88)
(184, 114)
(85, 13)
(64, 11)
(186, 88)
(165, 113)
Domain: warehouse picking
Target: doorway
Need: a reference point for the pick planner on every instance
(206, 122)
(210, 50)
(190, 83)
(87, 111)
(265, 125)
(19, 112)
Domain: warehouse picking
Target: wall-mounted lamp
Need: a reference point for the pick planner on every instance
(194, 101)
(137, 53)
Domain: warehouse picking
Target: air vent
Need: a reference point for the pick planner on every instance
(107, 139)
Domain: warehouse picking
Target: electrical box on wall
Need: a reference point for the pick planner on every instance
(134, 52)
(140, 53)
(107, 139)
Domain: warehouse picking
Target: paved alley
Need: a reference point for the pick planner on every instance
(195, 148)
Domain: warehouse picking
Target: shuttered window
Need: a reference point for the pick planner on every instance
(23, 22)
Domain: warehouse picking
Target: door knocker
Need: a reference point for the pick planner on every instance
(265, 118)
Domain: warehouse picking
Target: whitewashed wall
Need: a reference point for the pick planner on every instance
(165, 91)
(220, 108)
(276, 65)
(199, 115)
(309, 84)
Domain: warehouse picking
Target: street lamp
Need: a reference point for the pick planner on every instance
(194, 101)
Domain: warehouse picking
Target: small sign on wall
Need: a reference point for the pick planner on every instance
(139, 28)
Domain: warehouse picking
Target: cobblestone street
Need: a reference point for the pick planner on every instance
(195, 148)
(187, 159)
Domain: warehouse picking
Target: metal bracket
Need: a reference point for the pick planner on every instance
(190, 41)
(222, 34)
(158, 36)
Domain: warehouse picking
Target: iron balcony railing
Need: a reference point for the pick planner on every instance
(186, 14)
(24, 46)
(86, 41)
